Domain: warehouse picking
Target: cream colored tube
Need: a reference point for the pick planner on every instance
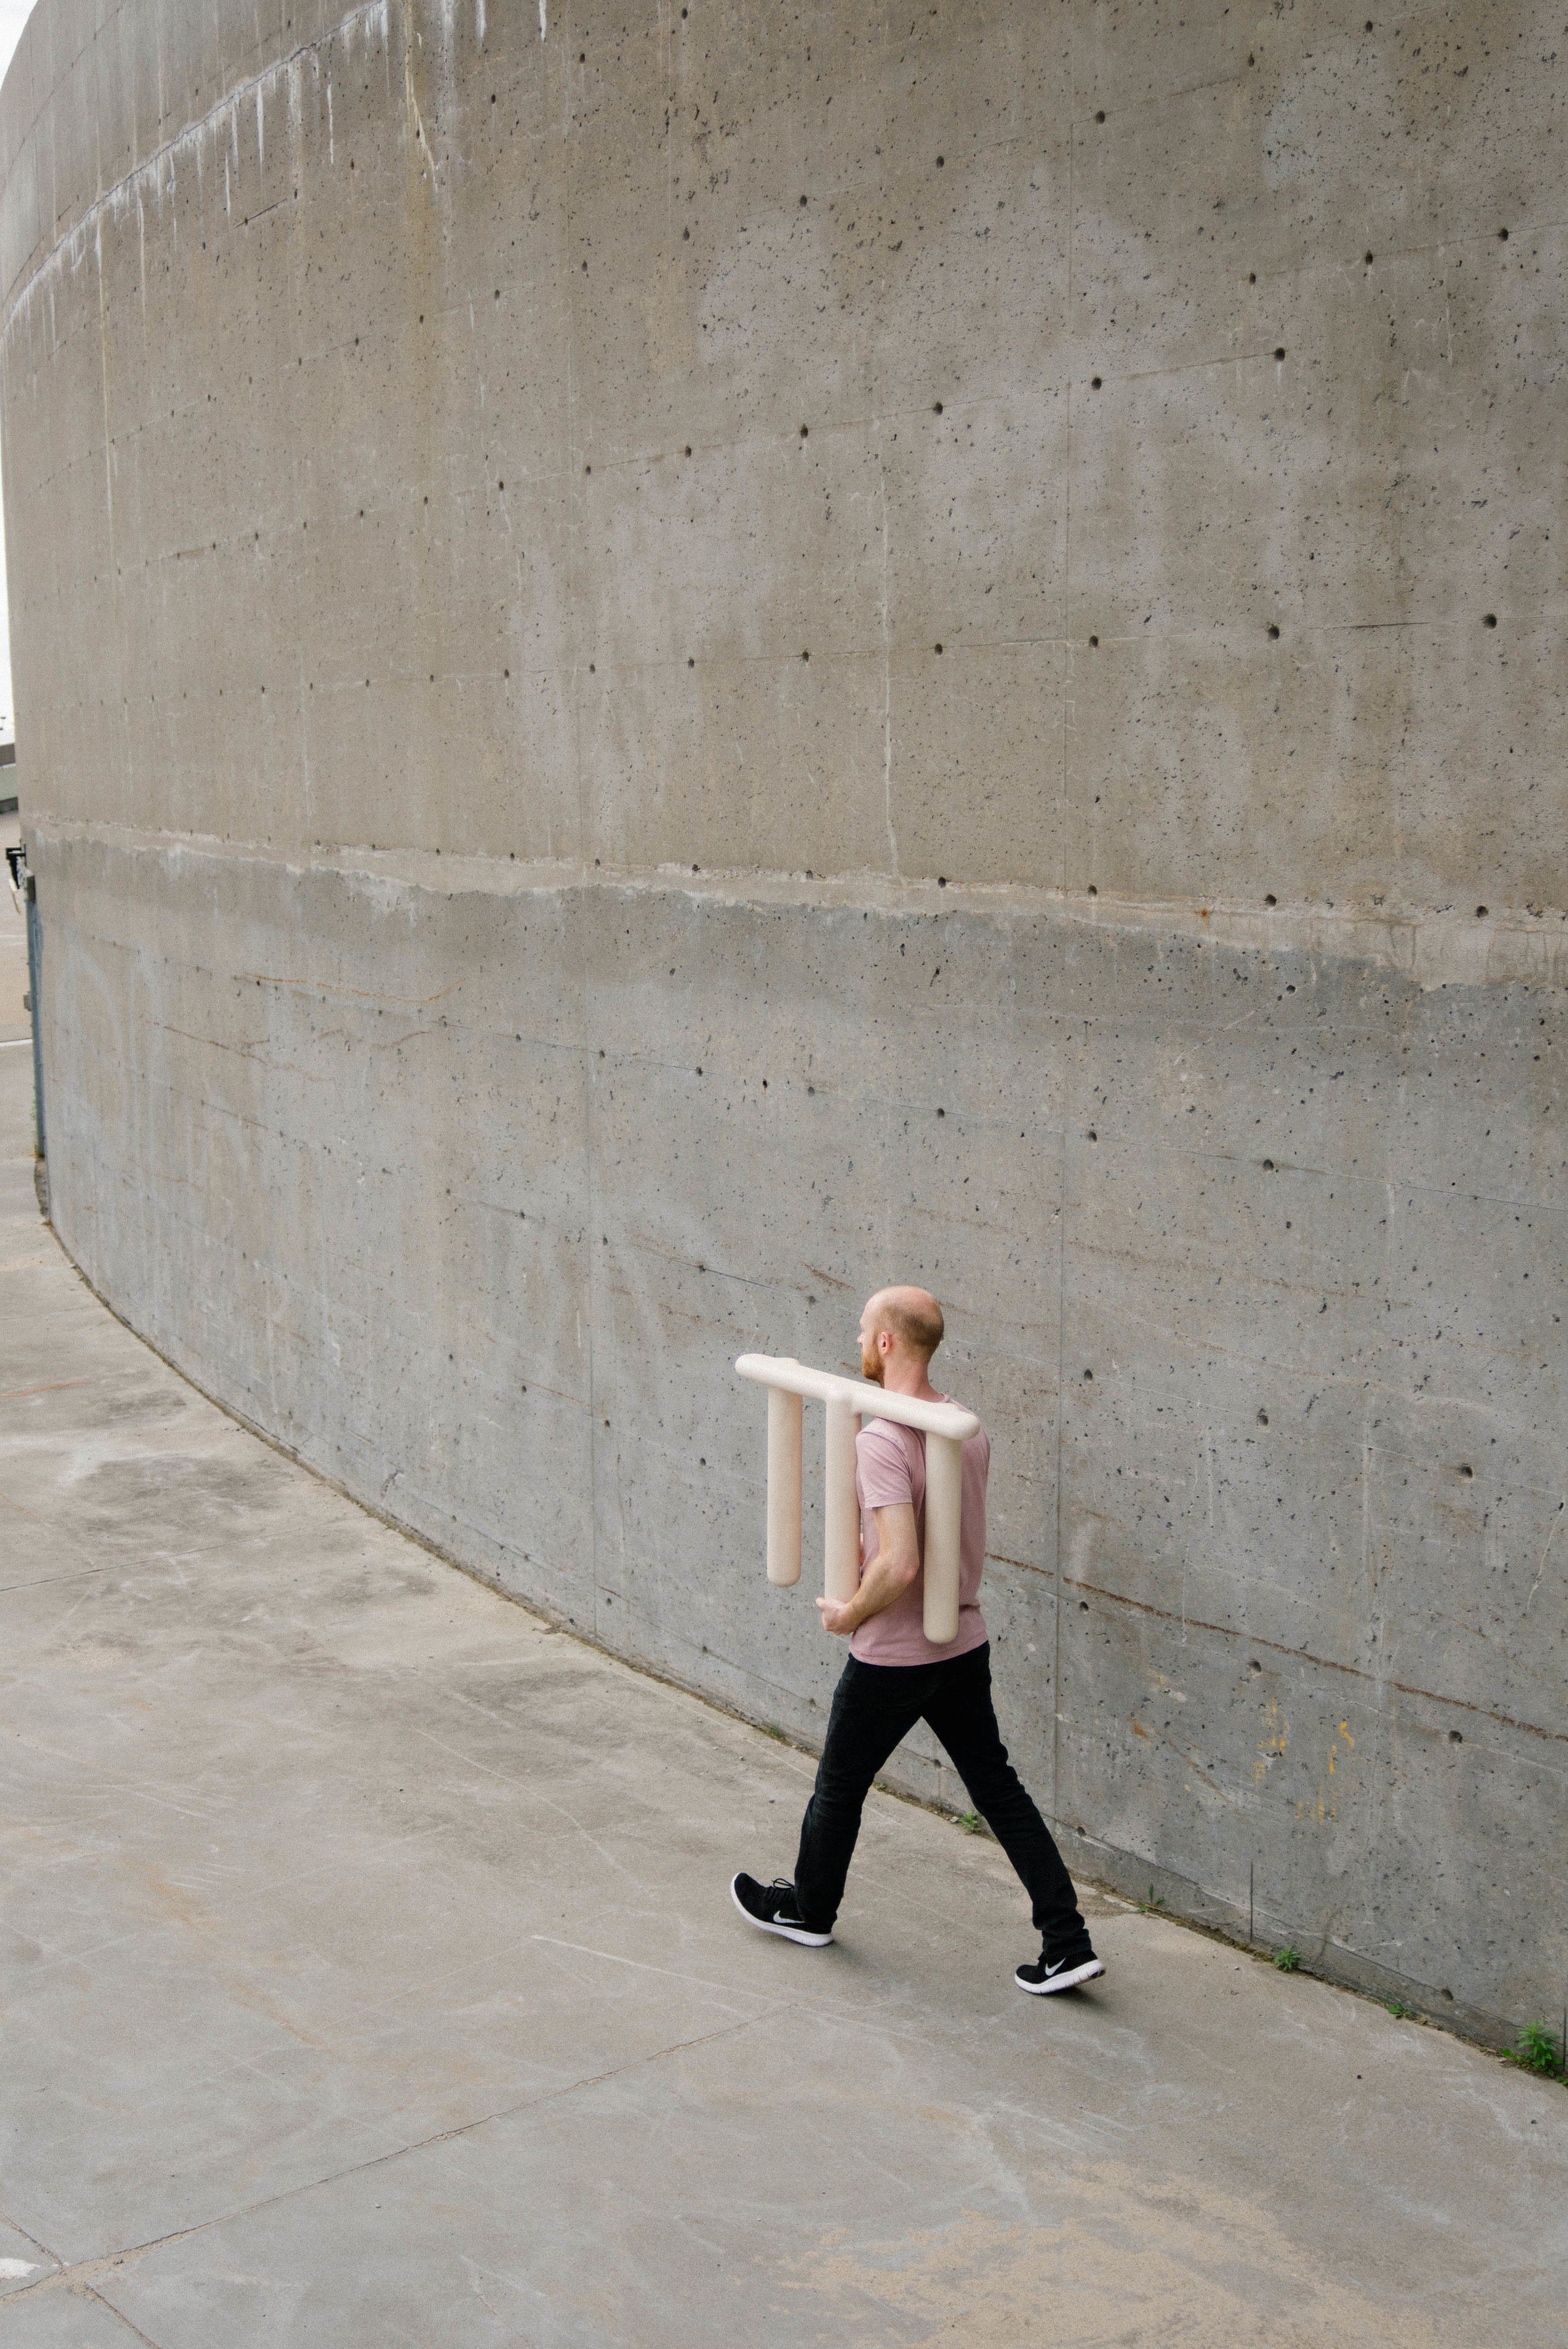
(944, 1512)
(841, 1548)
(871, 1401)
(784, 1416)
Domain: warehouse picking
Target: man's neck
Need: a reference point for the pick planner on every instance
(907, 1378)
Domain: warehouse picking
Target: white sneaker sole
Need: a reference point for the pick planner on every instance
(1068, 1979)
(786, 1932)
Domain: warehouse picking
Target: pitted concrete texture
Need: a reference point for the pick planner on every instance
(371, 1977)
(672, 663)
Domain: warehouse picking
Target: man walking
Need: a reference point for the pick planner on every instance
(895, 1676)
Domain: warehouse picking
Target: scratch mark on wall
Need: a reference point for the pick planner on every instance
(1324, 1663)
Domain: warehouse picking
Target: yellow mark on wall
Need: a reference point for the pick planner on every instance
(1273, 1744)
(1326, 1805)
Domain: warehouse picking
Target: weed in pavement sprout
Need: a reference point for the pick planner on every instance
(1538, 2050)
(970, 1822)
(1288, 1959)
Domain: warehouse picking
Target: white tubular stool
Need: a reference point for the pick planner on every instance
(946, 1427)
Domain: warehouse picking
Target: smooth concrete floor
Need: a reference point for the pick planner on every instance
(371, 1978)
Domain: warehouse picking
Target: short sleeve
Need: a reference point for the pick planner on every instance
(883, 1466)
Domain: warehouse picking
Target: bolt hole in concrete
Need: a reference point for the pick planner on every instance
(1094, 383)
(1502, 235)
(1251, 277)
(1367, 257)
(1279, 350)
(936, 409)
(1481, 912)
(1254, 1666)
(1088, 1377)
(1271, 899)
(688, 449)
(1100, 116)
(1092, 890)
(1268, 1166)
(939, 647)
(1273, 629)
(1467, 1470)
(1093, 1136)
(805, 431)
(1489, 621)
(941, 160)
(1263, 1419)
(1456, 1737)
(1094, 640)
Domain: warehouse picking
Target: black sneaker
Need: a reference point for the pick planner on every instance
(1050, 1973)
(774, 1907)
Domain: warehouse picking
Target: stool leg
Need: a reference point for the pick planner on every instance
(841, 1549)
(784, 1413)
(943, 1511)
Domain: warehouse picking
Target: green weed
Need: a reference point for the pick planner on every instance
(1537, 2050)
(970, 1822)
(1288, 1959)
(1151, 1907)
(771, 1729)
(1397, 2011)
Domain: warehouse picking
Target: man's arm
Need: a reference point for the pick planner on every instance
(888, 1577)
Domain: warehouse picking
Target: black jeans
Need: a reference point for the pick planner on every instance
(875, 1706)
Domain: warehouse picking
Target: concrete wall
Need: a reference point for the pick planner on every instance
(672, 662)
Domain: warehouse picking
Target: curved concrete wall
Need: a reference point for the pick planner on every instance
(671, 662)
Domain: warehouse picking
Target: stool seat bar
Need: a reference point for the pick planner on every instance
(861, 1394)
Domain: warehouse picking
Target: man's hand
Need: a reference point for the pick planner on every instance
(888, 1577)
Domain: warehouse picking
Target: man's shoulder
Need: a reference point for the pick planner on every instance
(980, 1436)
(885, 1462)
(878, 1434)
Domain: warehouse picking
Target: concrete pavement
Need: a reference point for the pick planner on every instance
(370, 1979)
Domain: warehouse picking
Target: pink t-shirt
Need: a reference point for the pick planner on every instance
(890, 1468)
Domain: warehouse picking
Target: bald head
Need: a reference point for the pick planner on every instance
(901, 1321)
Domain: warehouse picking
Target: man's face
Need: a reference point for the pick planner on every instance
(870, 1358)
